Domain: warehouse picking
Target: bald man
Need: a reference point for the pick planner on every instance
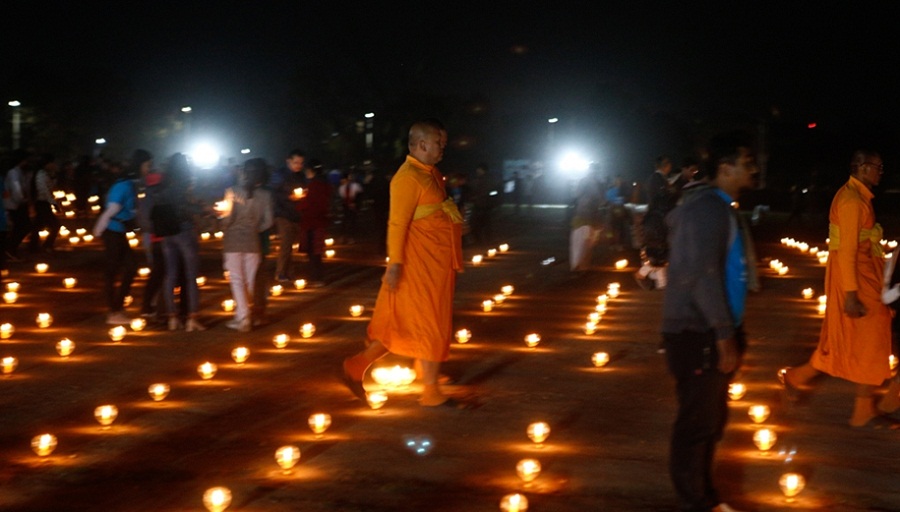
(414, 310)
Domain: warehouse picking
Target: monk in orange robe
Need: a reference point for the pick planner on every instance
(855, 341)
(414, 310)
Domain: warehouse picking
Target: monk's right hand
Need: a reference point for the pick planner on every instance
(392, 276)
(853, 307)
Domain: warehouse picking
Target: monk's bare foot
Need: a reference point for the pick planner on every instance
(432, 398)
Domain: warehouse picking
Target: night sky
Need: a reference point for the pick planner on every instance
(628, 80)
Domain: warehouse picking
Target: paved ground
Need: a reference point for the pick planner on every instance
(607, 449)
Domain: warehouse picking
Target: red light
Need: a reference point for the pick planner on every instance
(811, 125)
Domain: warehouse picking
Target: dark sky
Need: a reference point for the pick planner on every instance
(628, 80)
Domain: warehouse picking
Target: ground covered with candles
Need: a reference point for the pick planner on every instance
(179, 427)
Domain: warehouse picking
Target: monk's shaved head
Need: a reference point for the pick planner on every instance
(420, 130)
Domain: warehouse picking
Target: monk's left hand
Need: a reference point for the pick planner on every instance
(853, 307)
(392, 276)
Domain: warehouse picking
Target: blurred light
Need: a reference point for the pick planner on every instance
(205, 155)
(574, 165)
(186, 109)
(553, 120)
(101, 140)
(369, 115)
(245, 151)
(811, 125)
(15, 103)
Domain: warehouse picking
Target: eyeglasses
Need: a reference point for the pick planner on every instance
(879, 167)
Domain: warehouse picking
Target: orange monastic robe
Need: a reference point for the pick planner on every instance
(855, 349)
(416, 320)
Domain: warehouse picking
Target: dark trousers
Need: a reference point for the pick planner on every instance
(119, 259)
(702, 392)
(21, 226)
(152, 298)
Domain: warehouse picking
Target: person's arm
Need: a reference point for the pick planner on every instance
(849, 224)
(404, 199)
(103, 221)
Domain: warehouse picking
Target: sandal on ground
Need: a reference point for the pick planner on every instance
(880, 422)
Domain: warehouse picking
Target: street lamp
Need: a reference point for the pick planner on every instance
(551, 122)
(100, 141)
(186, 110)
(16, 122)
(369, 136)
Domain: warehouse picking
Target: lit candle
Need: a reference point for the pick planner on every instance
(69, 282)
(44, 320)
(823, 299)
(783, 270)
(514, 503)
(217, 499)
(487, 305)
(499, 298)
(6, 331)
(218, 234)
(106, 415)
(600, 308)
(621, 264)
(130, 235)
(12, 286)
(507, 290)
(41, 268)
(127, 300)
(590, 327)
(117, 333)
(532, 340)
(228, 305)
(95, 208)
(286, 457)
(356, 310)
(528, 469)
(10, 297)
(476, 260)
(758, 413)
(74, 240)
(44, 444)
(134, 242)
(144, 271)
(464, 335)
(329, 242)
(821, 308)
(205, 236)
(736, 390)
(808, 293)
(138, 324)
(600, 359)
(277, 290)
(8, 364)
(491, 253)
(613, 290)
(319, 423)
(307, 330)
(764, 439)
(281, 340)
(207, 370)
(329, 253)
(80, 231)
(300, 284)
(791, 485)
(201, 281)
(594, 316)
(538, 432)
(240, 354)
(43, 234)
(158, 391)
(65, 347)
(376, 399)
(88, 237)
(892, 361)
(503, 247)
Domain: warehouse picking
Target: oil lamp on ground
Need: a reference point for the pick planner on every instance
(158, 391)
(736, 390)
(307, 330)
(8, 364)
(69, 283)
(286, 457)
(491, 253)
(44, 444)
(217, 499)
(44, 320)
(10, 297)
(329, 253)
(764, 439)
(277, 290)
(144, 271)
(791, 485)
(600, 359)
(281, 340)
(532, 340)
(463, 335)
(228, 305)
(41, 268)
(117, 333)
(487, 306)
(528, 470)
(240, 354)
(300, 284)
(503, 247)
(6, 330)
(477, 259)
(376, 399)
(613, 290)
(807, 293)
(138, 324)
(65, 347)
(590, 327)
(12, 286)
(319, 423)
(538, 432)
(621, 264)
(499, 298)
(106, 415)
(207, 370)
(758, 413)
(514, 503)
(507, 290)
(357, 310)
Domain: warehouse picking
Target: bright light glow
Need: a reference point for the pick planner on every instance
(101, 140)
(573, 165)
(369, 115)
(205, 155)
(15, 103)
(245, 151)
(186, 109)
(553, 120)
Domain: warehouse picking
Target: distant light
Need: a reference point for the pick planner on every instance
(245, 151)
(369, 115)
(811, 125)
(15, 103)
(574, 165)
(186, 109)
(101, 140)
(205, 155)
(553, 120)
